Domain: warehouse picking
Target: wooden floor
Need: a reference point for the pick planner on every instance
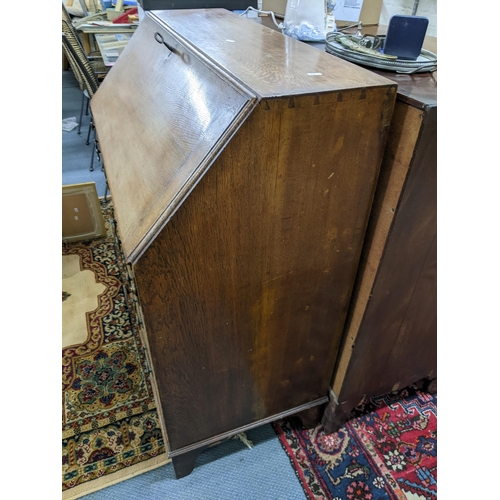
(75, 153)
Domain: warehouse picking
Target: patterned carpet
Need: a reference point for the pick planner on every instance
(387, 451)
(110, 425)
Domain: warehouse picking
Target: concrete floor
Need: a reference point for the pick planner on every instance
(76, 154)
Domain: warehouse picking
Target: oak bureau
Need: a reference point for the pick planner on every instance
(242, 166)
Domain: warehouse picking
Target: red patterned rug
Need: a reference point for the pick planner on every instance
(387, 450)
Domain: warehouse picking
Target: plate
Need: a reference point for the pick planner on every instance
(425, 62)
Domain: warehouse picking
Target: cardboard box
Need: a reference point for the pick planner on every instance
(370, 12)
(82, 217)
(277, 6)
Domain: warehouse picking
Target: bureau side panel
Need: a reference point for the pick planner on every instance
(246, 289)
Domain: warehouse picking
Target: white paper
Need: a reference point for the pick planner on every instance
(347, 10)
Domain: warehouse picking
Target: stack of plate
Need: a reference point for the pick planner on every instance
(426, 61)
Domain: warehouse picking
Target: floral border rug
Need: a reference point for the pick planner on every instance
(110, 426)
(388, 450)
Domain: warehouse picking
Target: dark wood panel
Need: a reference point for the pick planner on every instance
(414, 354)
(197, 4)
(394, 342)
(403, 136)
(246, 289)
(409, 322)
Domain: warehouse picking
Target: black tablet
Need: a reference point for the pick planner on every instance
(405, 36)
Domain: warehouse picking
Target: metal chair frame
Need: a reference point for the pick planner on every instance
(80, 64)
(95, 62)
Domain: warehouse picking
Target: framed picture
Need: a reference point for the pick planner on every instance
(82, 217)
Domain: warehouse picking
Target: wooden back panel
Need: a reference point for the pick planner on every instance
(394, 172)
(245, 290)
(393, 323)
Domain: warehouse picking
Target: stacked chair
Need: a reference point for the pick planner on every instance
(86, 77)
(94, 59)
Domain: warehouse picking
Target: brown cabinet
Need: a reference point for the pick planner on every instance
(390, 340)
(242, 166)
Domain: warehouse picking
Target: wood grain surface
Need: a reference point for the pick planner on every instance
(270, 63)
(419, 89)
(159, 133)
(242, 182)
(245, 290)
(391, 333)
(405, 127)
